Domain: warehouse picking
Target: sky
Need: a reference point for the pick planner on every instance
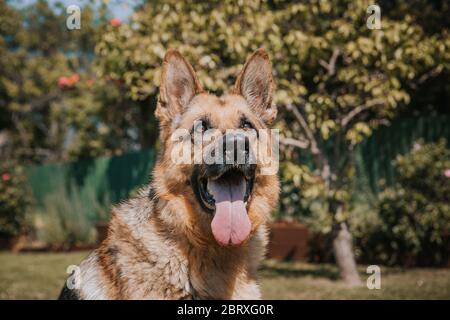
(119, 9)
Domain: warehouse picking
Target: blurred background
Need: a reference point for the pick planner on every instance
(364, 119)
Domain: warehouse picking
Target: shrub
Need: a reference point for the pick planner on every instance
(14, 200)
(67, 220)
(415, 213)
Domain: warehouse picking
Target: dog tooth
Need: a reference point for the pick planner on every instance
(207, 186)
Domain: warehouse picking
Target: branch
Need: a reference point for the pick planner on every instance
(330, 66)
(352, 114)
(38, 151)
(301, 120)
(381, 122)
(319, 158)
(294, 142)
(430, 74)
(20, 128)
(44, 99)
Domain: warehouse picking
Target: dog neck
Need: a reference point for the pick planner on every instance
(214, 271)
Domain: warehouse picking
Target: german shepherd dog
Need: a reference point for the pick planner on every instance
(198, 231)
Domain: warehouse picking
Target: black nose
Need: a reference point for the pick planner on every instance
(236, 148)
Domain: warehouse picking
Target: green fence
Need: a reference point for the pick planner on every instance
(102, 180)
(110, 179)
(375, 155)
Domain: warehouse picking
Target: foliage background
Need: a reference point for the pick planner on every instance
(72, 95)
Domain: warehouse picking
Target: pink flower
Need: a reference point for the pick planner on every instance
(6, 177)
(74, 78)
(447, 173)
(115, 22)
(64, 82)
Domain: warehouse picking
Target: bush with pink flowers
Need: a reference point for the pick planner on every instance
(14, 201)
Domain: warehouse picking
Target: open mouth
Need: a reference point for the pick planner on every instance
(226, 195)
(232, 178)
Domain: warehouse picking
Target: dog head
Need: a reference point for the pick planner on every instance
(216, 164)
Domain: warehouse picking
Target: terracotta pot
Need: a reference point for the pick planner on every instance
(288, 241)
(4, 243)
(15, 244)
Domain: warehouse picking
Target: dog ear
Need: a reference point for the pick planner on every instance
(179, 84)
(255, 84)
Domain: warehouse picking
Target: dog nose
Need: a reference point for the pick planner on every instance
(236, 148)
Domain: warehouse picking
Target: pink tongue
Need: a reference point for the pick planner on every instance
(231, 223)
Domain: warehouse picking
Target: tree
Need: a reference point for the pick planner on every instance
(34, 57)
(53, 106)
(355, 79)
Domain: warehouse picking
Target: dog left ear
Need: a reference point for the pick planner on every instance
(255, 84)
(179, 84)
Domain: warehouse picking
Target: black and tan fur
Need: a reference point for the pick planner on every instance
(159, 244)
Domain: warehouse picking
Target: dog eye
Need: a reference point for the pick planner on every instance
(246, 125)
(200, 126)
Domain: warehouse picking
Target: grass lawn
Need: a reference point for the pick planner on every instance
(41, 276)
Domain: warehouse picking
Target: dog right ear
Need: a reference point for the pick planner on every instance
(255, 84)
(179, 84)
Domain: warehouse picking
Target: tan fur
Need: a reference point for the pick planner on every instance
(159, 244)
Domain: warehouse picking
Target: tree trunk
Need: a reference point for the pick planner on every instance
(342, 238)
(343, 253)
